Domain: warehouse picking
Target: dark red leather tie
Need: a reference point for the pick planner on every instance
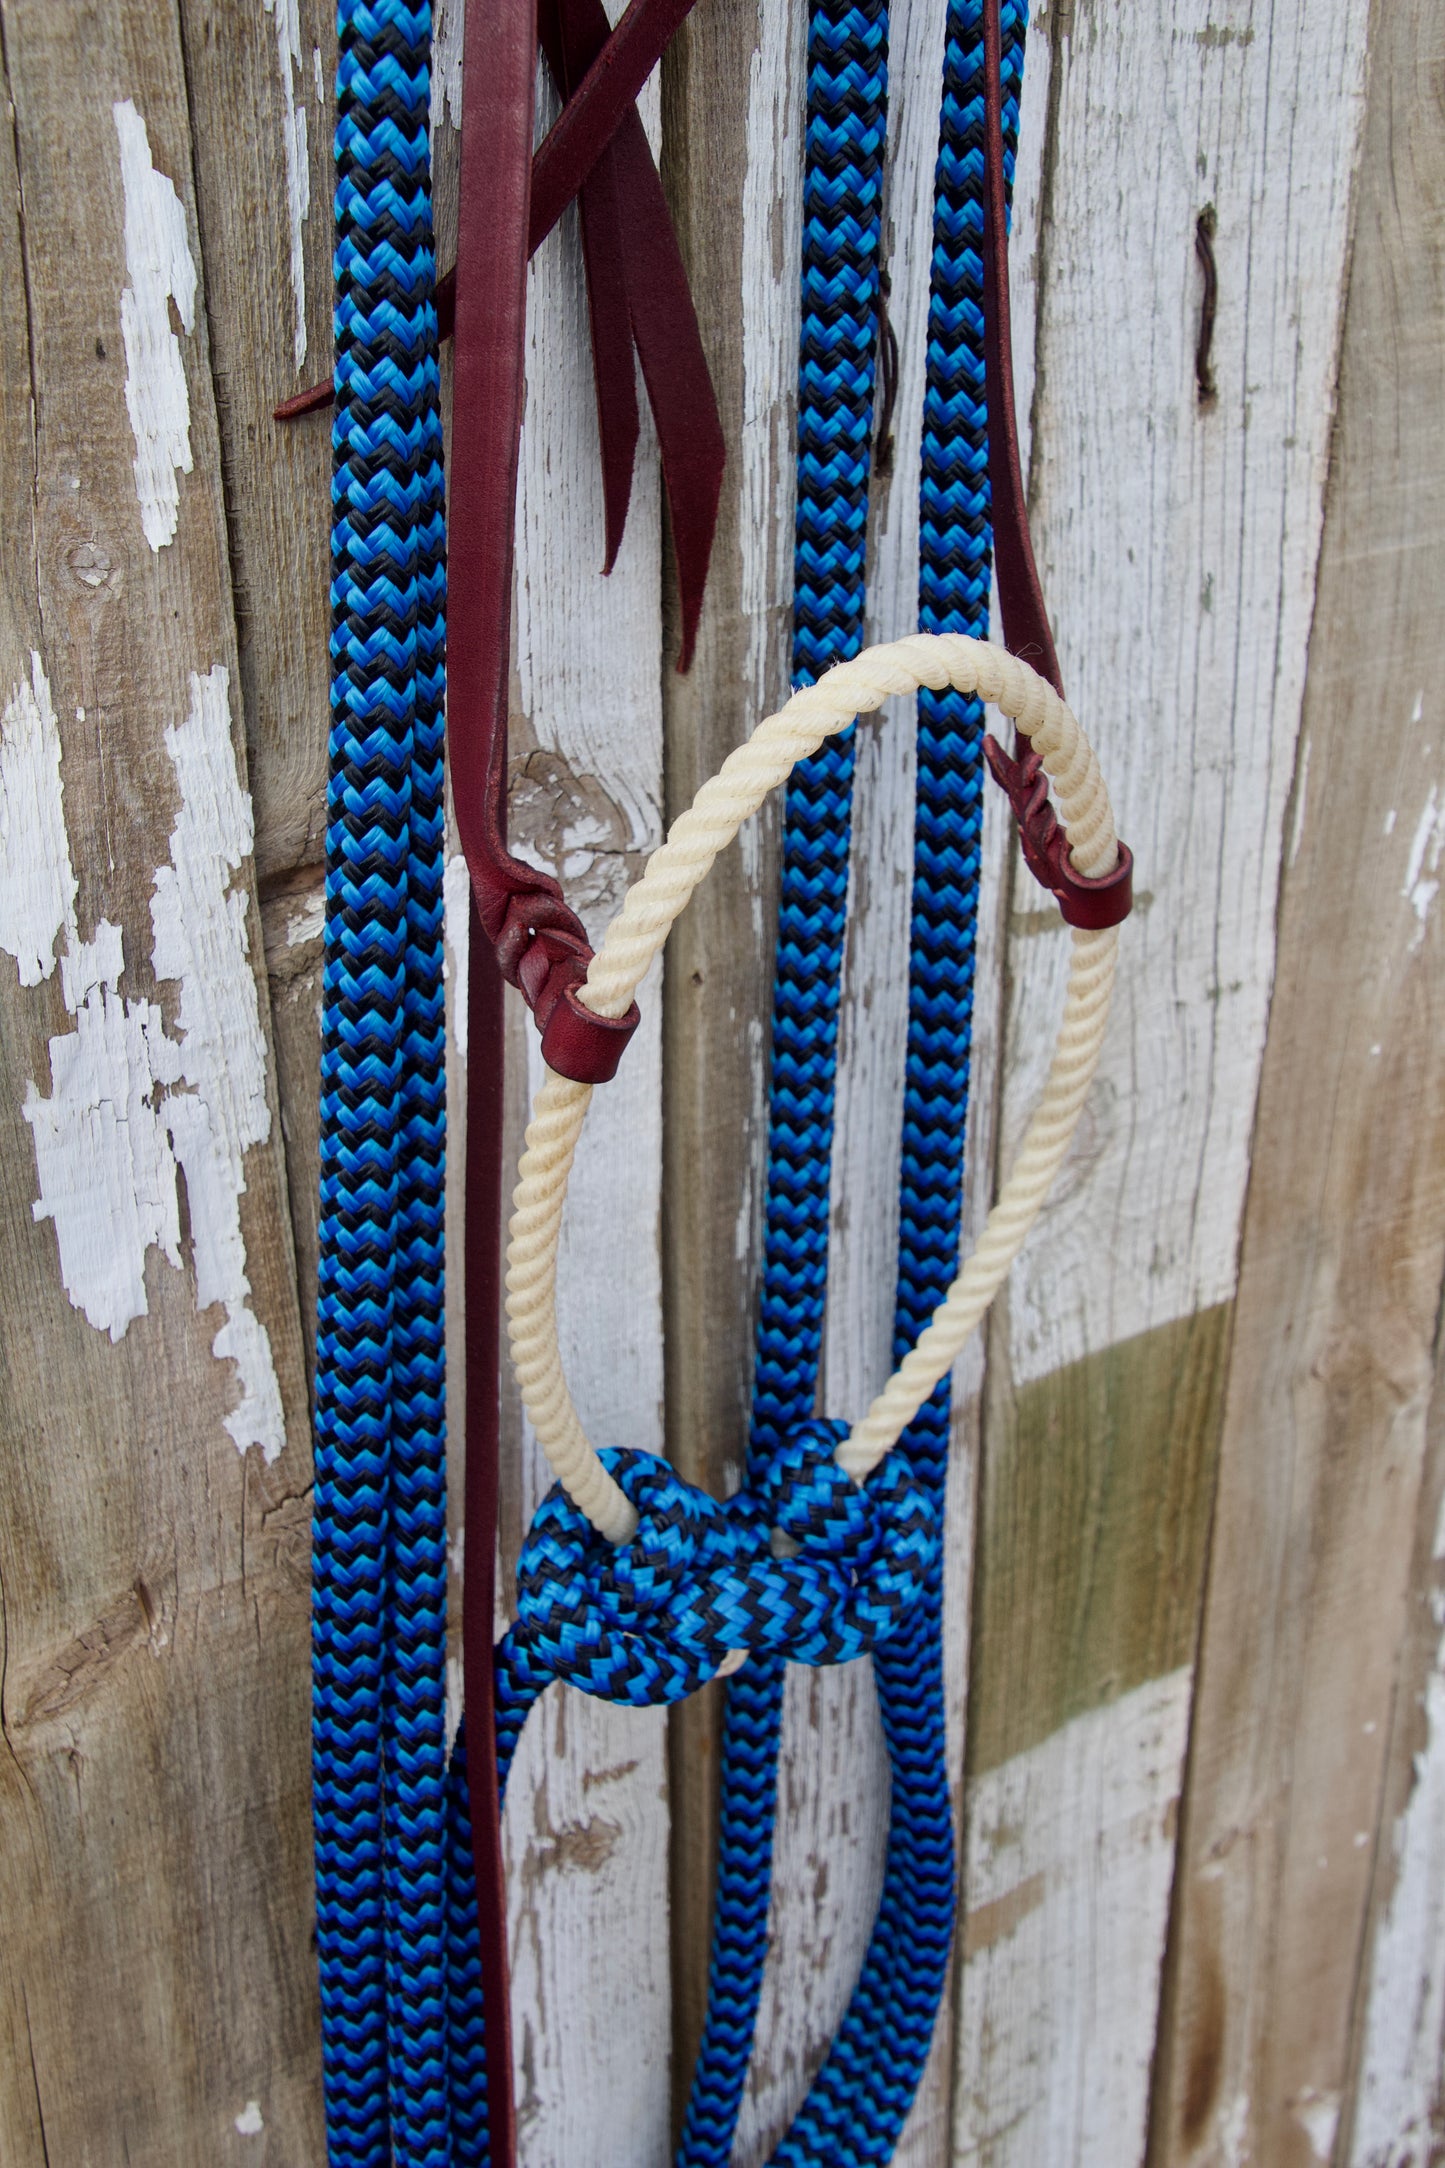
(1026, 630)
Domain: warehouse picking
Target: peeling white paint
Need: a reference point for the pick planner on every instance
(160, 269)
(130, 1103)
(308, 922)
(446, 63)
(202, 940)
(316, 70)
(1297, 829)
(1422, 884)
(249, 2122)
(298, 168)
(37, 882)
(107, 1174)
(457, 920)
(1318, 2115)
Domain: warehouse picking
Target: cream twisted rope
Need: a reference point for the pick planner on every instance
(636, 936)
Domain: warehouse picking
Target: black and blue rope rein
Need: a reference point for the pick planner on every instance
(646, 1622)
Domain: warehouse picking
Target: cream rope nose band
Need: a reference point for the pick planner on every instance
(636, 936)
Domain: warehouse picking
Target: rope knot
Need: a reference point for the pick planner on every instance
(805, 1564)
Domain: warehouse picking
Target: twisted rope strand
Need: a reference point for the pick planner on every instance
(635, 938)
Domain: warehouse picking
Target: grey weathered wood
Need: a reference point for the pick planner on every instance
(261, 80)
(155, 1849)
(1344, 1242)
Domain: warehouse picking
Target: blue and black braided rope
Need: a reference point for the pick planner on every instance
(393, 1926)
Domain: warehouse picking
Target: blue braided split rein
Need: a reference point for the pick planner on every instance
(802, 1564)
(403, 2052)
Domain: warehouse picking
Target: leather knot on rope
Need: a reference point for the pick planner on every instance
(803, 1563)
(1093, 903)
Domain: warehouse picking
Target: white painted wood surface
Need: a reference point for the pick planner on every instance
(1178, 548)
(1068, 1868)
(586, 1821)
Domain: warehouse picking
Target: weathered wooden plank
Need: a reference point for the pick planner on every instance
(155, 1615)
(1344, 1243)
(1178, 545)
(586, 1820)
(261, 79)
(262, 82)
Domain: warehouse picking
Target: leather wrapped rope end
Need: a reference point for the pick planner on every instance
(542, 950)
(1092, 904)
(579, 1044)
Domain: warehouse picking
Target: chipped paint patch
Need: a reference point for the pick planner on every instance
(1422, 871)
(250, 2122)
(160, 269)
(457, 918)
(37, 882)
(309, 922)
(201, 939)
(287, 14)
(130, 1104)
(1318, 2115)
(446, 63)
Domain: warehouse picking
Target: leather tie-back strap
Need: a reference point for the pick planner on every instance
(1026, 631)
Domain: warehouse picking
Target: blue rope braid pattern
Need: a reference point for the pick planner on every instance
(396, 1927)
(845, 147)
(856, 2108)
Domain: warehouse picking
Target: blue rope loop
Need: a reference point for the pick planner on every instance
(650, 1620)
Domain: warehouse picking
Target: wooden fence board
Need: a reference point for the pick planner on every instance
(586, 1819)
(1178, 545)
(154, 1584)
(261, 83)
(1344, 1243)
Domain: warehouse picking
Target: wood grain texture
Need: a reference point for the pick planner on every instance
(261, 81)
(1177, 544)
(262, 133)
(586, 1817)
(155, 1843)
(1340, 1278)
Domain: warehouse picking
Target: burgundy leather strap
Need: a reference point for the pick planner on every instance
(1026, 631)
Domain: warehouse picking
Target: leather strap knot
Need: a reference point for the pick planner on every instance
(1082, 901)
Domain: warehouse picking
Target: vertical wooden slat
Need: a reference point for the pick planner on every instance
(733, 114)
(586, 1819)
(156, 1852)
(261, 80)
(1340, 1281)
(1178, 545)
